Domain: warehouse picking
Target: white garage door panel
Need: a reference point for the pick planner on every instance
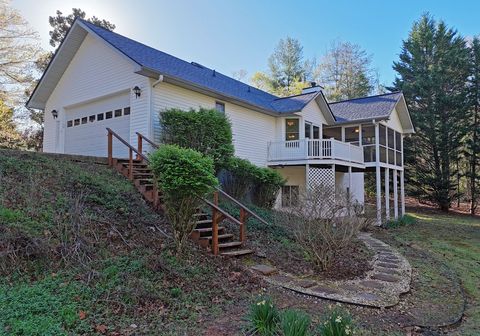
(91, 138)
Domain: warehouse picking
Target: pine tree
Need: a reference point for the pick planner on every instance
(472, 145)
(432, 73)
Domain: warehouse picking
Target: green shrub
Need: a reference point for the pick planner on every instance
(294, 323)
(183, 176)
(267, 184)
(263, 318)
(239, 177)
(401, 221)
(205, 130)
(337, 323)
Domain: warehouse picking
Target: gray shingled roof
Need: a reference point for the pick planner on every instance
(197, 74)
(365, 108)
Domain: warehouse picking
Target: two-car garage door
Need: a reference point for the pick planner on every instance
(85, 129)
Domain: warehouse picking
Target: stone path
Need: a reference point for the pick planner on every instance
(381, 287)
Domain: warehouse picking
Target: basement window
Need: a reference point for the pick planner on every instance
(70, 123)
(91, 118)
(118, 113)
(126, 111)
(220, 107)
(290, 196)
(100, 117)
(108, 115)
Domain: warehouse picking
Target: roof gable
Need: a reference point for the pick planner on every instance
(379, 107)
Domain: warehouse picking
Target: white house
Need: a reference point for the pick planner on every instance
(99, 79)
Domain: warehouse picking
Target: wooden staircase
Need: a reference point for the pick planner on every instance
(208, 232)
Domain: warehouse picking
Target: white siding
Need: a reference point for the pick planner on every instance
(394, 122)
(313, 114)
(251, 130)
(96, 72)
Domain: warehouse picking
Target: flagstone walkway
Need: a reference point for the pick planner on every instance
(381, 287)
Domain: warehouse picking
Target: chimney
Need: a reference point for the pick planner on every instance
(312, 88)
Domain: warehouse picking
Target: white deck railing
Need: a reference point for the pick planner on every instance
(314, 149)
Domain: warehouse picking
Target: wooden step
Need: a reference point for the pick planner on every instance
(208, 229)
(221, 236)
(236, 253)
(138, 176)
(204, 221)
(230, 244)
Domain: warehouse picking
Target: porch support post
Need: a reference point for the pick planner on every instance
(378, 177)
(387, 193)
(395, 194)
(402, 193)
(307, 177)
(349, 194)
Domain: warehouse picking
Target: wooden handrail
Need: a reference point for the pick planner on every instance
(141, 136)
(223, 212)
(126, 144)
(234, 200)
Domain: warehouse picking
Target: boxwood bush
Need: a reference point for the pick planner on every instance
(241, 176)
(204, 130)
(266, 185)
(183, 176)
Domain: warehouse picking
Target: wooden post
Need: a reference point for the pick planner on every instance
(110, 149)
(130, 164)
(243, 221)
(402, 193)
(387, 193)
(395, 194)
(378, 175)
(139, 145)
(215, 225)
(155, 194)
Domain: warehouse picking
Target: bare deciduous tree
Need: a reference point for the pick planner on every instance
(323, 223)
(18, 50)
(346, 72)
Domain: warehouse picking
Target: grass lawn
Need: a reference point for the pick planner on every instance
(454, 240)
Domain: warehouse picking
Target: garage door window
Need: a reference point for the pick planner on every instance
(126, 111)
(100, 117)
(76, 122)
(118, 113)
(91, 118)
(108, 115)
(70, 123)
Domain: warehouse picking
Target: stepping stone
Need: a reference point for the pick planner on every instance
(371, 284)
(305, 283)
(385, 277)
(350, 287)
(387, 265)
(388, 271)
(369, 297)
(324, 290)
(264, 269)
(388, 260)
(281, 278)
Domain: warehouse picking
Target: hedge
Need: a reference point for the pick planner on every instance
(204, 130)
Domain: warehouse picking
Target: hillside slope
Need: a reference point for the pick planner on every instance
(82, 253)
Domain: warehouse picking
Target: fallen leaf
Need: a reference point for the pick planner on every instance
(82, 315)
(101, 328)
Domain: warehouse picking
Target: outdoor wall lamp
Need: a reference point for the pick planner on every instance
(55, 114)
(137, 91)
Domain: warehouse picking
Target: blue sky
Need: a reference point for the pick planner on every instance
(232, 35)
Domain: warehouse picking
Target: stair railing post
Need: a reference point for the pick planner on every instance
(139, 145)
(110, 149)
(243, 219)
(215, 225)
(130, 164)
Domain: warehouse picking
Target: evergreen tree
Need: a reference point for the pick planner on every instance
(288, 71)
(472, 145)
(432, 73)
